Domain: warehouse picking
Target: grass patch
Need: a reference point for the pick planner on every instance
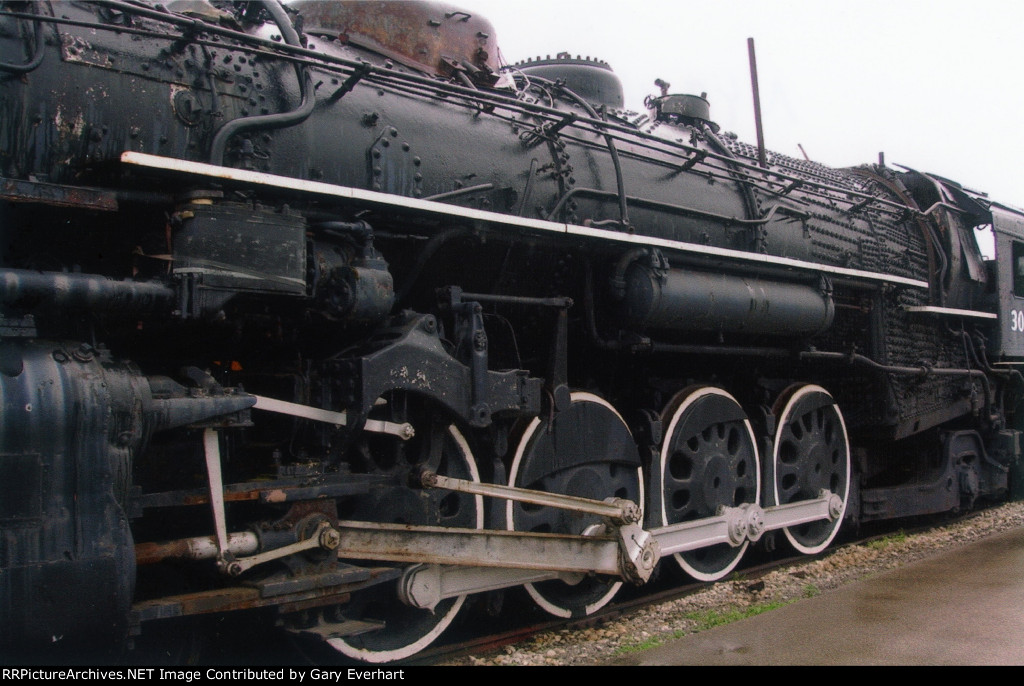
(652, 642)
(703, 621)
(709, 619)
(886, 541)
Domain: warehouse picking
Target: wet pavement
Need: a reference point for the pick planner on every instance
(960, 607)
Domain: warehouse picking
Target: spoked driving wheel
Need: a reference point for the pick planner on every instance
(708, 459)
(587, 451)
(811, 454)
(440, 447)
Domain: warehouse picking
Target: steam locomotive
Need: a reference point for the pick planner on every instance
(320, 310)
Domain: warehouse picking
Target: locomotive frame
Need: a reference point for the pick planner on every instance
(352, 328)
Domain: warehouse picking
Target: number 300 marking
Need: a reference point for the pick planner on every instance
(1016, 320)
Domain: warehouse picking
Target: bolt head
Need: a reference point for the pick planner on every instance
(330, 539)
(835, 506)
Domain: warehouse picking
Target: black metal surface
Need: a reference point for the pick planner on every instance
(74, 423)
(592, 79)
(22, 290)
(694, 301)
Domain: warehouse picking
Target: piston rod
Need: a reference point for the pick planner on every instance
(403, 431)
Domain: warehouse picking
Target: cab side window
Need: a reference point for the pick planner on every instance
(1018, 269)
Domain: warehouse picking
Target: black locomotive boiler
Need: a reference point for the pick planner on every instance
(321, 311)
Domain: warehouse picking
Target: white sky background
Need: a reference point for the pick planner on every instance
(935, 85)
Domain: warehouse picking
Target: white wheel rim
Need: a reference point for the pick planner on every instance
(663, 465)
(790, 404)
(408, 650)
(531, 429)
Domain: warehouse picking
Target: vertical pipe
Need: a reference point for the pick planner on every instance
(761, 156)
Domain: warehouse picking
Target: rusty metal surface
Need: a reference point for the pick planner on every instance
(58, 195)
(483, 548)
(199, 548)
(425, 35)
(250, 598)
(272, 491)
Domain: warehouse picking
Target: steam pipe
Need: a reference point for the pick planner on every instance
(29, 289)
(858, 359)
(762, 157)
(271, 121)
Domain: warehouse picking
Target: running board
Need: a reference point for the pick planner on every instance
(252, 179)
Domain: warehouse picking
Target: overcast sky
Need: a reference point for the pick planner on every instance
(935, 85)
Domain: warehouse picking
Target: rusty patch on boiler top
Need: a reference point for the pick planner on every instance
(423, 35)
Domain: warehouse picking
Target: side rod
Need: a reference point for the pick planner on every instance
(448, 570)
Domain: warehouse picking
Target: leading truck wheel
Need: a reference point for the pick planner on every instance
(708, 459)
(586, 451)
(811, 454)
(440, 447)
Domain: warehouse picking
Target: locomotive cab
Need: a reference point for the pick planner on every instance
(1007, 292)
